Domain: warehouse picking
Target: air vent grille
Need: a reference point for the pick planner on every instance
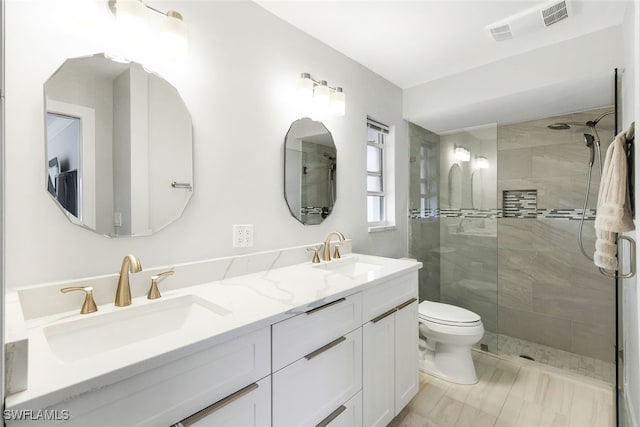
(501, 33)
(555, 13)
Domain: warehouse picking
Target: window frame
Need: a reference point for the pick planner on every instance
(382, 143)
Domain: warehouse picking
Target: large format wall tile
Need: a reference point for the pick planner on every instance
(595, 341)
(515, 164)
(581, 305)
(533, 327)
(548, 292)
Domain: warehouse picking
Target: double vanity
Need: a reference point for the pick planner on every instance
(255, 340)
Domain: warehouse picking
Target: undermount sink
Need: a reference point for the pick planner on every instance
(352, 266)
(166, 321)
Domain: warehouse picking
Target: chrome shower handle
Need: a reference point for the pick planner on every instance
(632, 261)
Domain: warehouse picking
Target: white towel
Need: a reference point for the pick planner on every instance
(613, 213)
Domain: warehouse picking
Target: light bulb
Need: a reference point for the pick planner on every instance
(321, 97)
(132, 28)
(462, 154)
(131, 16)
(305, 90)
(338, 101)
(173, 37)
(482, 162)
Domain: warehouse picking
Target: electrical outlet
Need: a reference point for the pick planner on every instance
(242, 235)
(117, 219)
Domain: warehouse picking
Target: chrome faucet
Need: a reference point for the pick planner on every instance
(130, 263)
(326, 253)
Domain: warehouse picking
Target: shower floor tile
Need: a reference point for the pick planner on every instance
(581, 365)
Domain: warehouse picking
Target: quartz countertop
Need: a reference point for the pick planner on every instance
(251, 302)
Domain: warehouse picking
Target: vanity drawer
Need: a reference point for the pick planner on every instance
(302, 334)
(170, 393)
(347, 415)
(248, 407)
(307, 391)
(384, 297)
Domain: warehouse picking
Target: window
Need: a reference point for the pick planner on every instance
(377, 182)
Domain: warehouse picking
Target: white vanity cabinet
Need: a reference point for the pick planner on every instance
(172, 392)
(349, 360)
(390, 349)
(317, 364)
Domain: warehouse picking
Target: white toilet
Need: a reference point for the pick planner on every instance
(447, 333)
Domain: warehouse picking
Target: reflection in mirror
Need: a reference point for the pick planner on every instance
(309, 171)
(119, 146)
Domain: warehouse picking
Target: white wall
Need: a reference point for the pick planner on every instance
(573, 75)
(239, 86)
(630, 98)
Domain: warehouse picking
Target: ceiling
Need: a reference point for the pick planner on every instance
(412, 43)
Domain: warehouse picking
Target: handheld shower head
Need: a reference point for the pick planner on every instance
(589, 142)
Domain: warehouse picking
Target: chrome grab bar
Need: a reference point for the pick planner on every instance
(632, 261)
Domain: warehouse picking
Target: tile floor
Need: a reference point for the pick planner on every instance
(510, 393)
(582, 365)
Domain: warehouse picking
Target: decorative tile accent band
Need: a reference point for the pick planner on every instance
(454, 213)
(520, 204)
(555, 213)
(562, 213)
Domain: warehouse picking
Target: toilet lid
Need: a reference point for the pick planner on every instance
(445, 313)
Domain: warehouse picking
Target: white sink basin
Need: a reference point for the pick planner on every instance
(166, 320)
(351, 267)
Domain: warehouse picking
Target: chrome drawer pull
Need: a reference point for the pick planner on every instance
(383, 315)
(325, 348)
(192, 419)
(406, 303)
(322, 307)
(332, 416)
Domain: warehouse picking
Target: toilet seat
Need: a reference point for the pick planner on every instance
(449, 315)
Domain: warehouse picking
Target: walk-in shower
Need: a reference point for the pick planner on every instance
(505, 249)
(592, 141)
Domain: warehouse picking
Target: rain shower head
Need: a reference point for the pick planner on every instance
(589, 124)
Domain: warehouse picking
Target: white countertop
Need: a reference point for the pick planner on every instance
(253, 301)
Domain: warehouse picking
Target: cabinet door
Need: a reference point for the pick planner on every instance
(378, 356)
(249, 407)
(406, 348)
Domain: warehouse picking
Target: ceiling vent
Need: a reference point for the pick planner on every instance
(554, 13)
(501, 32)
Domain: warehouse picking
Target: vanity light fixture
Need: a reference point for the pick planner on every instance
(462, 154)
(132, 21)
(323, 97)
(481, 162)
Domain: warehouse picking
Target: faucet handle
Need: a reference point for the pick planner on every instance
(154, 292)
(316, 258)
(89, 305)
(336, 252)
